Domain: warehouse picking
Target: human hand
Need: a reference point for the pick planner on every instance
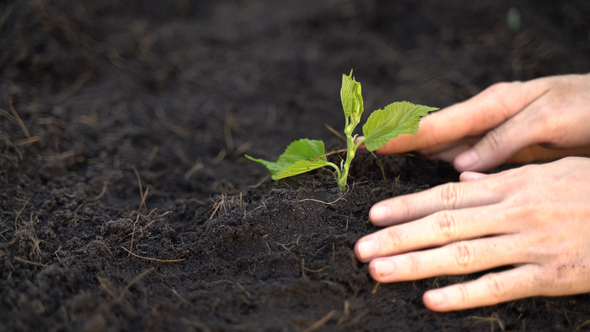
(518, 122)
(536, 218)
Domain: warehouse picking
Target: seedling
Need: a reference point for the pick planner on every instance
(382, 126)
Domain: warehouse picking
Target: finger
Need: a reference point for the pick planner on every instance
(449, 196)
(432, 132)
(492, 288)
(475, 116)
(450, 154)
(466, 141)
(358, 139)
(437, 229)
(460, 257)
(537, 152)
(501, 143)
(471, 176)
(450, 151)
(524, 129)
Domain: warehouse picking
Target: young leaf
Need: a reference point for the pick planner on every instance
(299, 157)
(395, 119)
(350, 94)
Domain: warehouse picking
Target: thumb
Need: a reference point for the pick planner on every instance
(358, 139)
(496, 147)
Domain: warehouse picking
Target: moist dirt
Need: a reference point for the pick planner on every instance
(126, 203)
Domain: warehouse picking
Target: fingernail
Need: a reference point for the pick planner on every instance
(437, 298)
(466, 160)
(380, 213)
(383, 268)
(472, 176)
(367, 249)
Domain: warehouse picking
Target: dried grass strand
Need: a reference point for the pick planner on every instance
(18, 120)
(198, 325)
(335, 132)
(317, 200)
(22, 260)
(133, 236)
(102, 192)
(154, 259)
(321, 322)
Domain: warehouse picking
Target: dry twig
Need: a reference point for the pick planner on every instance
(375, 288)
(260, 182)
(22, 260)
(132, 236)
(180, 297)
(18, 214)
(142, 195)
(18, 120)
(70, 90)
(578, 327)
(132, 282)
(198, 165)
(154, 259)
(328, 154)
(102, 192)
(218, 206)
(27, 141)
(316, 200)
(321, 322)
(492, 319)
(198, 325)
(335, 132)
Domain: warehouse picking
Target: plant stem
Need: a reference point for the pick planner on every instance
(336, 168)
(350, 153)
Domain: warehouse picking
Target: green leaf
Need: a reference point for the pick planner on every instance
(395, 119)
(352, 99)
(299, 167)
(299, 157)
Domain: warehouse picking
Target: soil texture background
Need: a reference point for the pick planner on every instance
(126, 203)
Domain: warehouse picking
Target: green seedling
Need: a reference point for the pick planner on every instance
(383, 125)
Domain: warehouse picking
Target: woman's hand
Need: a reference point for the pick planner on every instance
(536, 218)
(515, 122)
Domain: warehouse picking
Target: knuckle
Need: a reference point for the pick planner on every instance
(496, 94)
(495, 139)
(528, 169)
(410, 207)
(534, 171)
(554, 132)
(497, 89)
(464, 293)
(449, 195)
(464, 254)
(445, 225)
(415, 264)
(527, 177)
(392, 237)
(495, 285)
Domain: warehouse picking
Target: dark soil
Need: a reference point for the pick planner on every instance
(126, 203)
